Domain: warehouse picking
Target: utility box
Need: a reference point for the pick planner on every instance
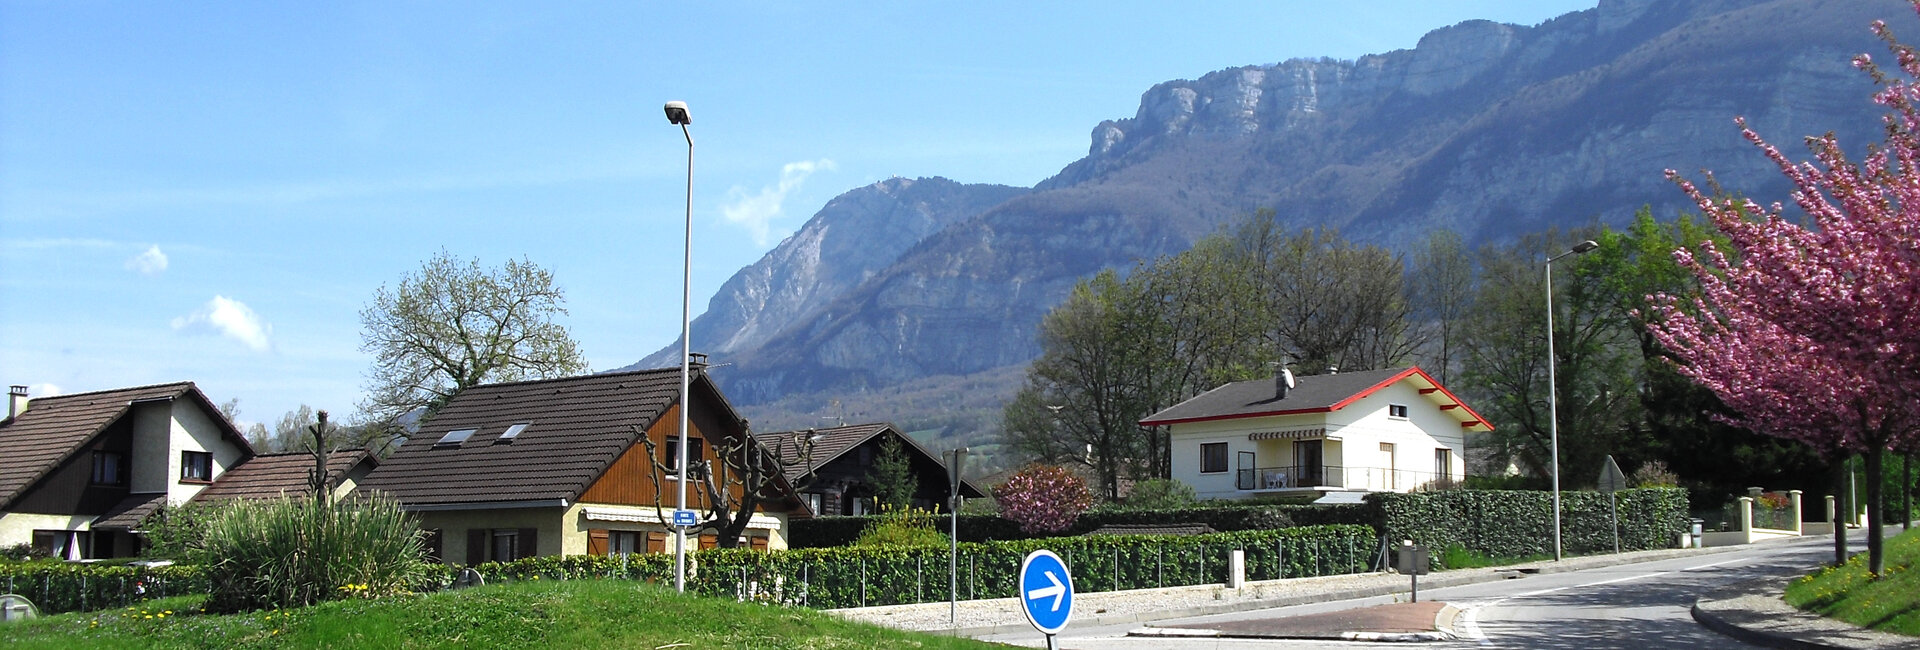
(1413, 560)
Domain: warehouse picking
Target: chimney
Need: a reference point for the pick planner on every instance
(16, 400)
(1280, 383)
(697, 359)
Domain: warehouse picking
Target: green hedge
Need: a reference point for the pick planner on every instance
(1509, 523)
(57, 587)
(828, 532)
(828, 578)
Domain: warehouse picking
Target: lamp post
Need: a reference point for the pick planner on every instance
(953, 538)
(1553, 391)
(677, 114)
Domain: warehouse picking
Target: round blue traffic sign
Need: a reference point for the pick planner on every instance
(1046, 591)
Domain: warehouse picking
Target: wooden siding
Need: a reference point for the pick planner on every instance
(629, 481)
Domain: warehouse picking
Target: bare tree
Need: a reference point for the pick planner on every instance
(747, 476)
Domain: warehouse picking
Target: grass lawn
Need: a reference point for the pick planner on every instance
(569, 614)
(1890, 604)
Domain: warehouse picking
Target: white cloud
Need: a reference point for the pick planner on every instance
(151, 262)
(230, 318)
(43, 390)
(756, 212)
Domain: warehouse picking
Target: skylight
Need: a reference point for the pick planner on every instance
(513, 432)
(455, 437)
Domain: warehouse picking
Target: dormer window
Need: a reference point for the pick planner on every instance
(455, 437)
(1397, 411)
(109, 468)
(513, 432)
(196, 467)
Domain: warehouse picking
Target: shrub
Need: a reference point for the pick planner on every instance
(907, 526)
(175, 528)
(296, 552)
(1043, 498)
(19, 552)
(1514, 524)
(1654, 473)
(1160, 494)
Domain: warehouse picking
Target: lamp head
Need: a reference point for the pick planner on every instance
(1585, 246)
(677, 113)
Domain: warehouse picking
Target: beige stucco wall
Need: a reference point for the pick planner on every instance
(562, 531)
(17, 527)
(161, 430)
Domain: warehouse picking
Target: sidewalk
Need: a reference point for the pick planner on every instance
(1752, 612)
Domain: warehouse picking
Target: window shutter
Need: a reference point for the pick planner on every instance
(434, 544)
(759, 543)
(709, 541)
(596, 542)
(656, 542)
(476, 546)
(529, 543)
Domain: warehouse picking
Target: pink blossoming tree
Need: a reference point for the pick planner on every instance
(1812, 332)
(1043, 499)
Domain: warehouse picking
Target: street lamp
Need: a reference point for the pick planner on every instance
(677, 114)
(1553, 391)
(953, 538)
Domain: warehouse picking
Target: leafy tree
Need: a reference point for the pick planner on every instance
(1813, 333)
(1043, 499)
(892, 476)
(1505, 372)
(452, 325)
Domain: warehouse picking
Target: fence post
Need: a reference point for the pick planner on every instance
(1116, 568)
(863, 581)
(1280, 553)
(973, 566)
(806, 582)
(1159, 570)
(919, 578)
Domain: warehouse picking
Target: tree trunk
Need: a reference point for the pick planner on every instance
(1906, 491)
(1876, 510)
(1840, 477)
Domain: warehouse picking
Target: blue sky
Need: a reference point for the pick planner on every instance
(212, 191)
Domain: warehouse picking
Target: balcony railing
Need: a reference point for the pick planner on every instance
(1289, 477)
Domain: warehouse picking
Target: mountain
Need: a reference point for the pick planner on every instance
(1488, 129)
(855, 236)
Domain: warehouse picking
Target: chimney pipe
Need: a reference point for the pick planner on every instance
(1280, 384)
(16, 400)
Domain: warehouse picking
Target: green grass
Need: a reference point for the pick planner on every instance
(1889, 604)
(1456, 556)
(569, 614)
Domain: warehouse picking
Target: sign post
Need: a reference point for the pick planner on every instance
(1414, 562)
(1046, 593)
(1613, 480)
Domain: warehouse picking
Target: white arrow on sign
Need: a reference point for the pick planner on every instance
(1057, 591)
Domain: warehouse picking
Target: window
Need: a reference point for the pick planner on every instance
(196, 466)
(1213, 457)
(455, 437)
(623, 542)
(513, 432)
(1397, 411)
(505, 545)
(62, 544)
(815, 502)
(696, 448)
(1443, 464)
(109, 468)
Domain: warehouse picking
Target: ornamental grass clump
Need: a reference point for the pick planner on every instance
(296, 552)
(897, 526)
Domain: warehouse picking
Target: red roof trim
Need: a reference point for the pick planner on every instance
(1383, 384)
(1397, 377)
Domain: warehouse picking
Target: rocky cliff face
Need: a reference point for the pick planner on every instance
(855, 236)
(1484, 128)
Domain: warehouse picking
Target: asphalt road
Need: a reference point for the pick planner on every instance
(1640, 606)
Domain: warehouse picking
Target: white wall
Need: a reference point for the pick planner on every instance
(192, 429)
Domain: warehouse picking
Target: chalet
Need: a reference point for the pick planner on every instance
(836, 478)
(80, 472)
(559, 467)
(1376, 431)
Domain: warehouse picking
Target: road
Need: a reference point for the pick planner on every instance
(1640, 606)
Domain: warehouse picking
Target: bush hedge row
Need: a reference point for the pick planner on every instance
(57, 587)
(827, 532)
(1507, 523)
(829, 578)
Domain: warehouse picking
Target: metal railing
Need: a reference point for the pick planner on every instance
(1288, 477)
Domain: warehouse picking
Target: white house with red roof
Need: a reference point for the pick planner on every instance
(1374, 431)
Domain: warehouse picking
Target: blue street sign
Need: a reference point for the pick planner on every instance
(685, 518)
(1046, 591)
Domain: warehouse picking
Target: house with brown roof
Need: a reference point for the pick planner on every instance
(80, 472)
(559, 467)
(834, 471)
(1352, 432)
